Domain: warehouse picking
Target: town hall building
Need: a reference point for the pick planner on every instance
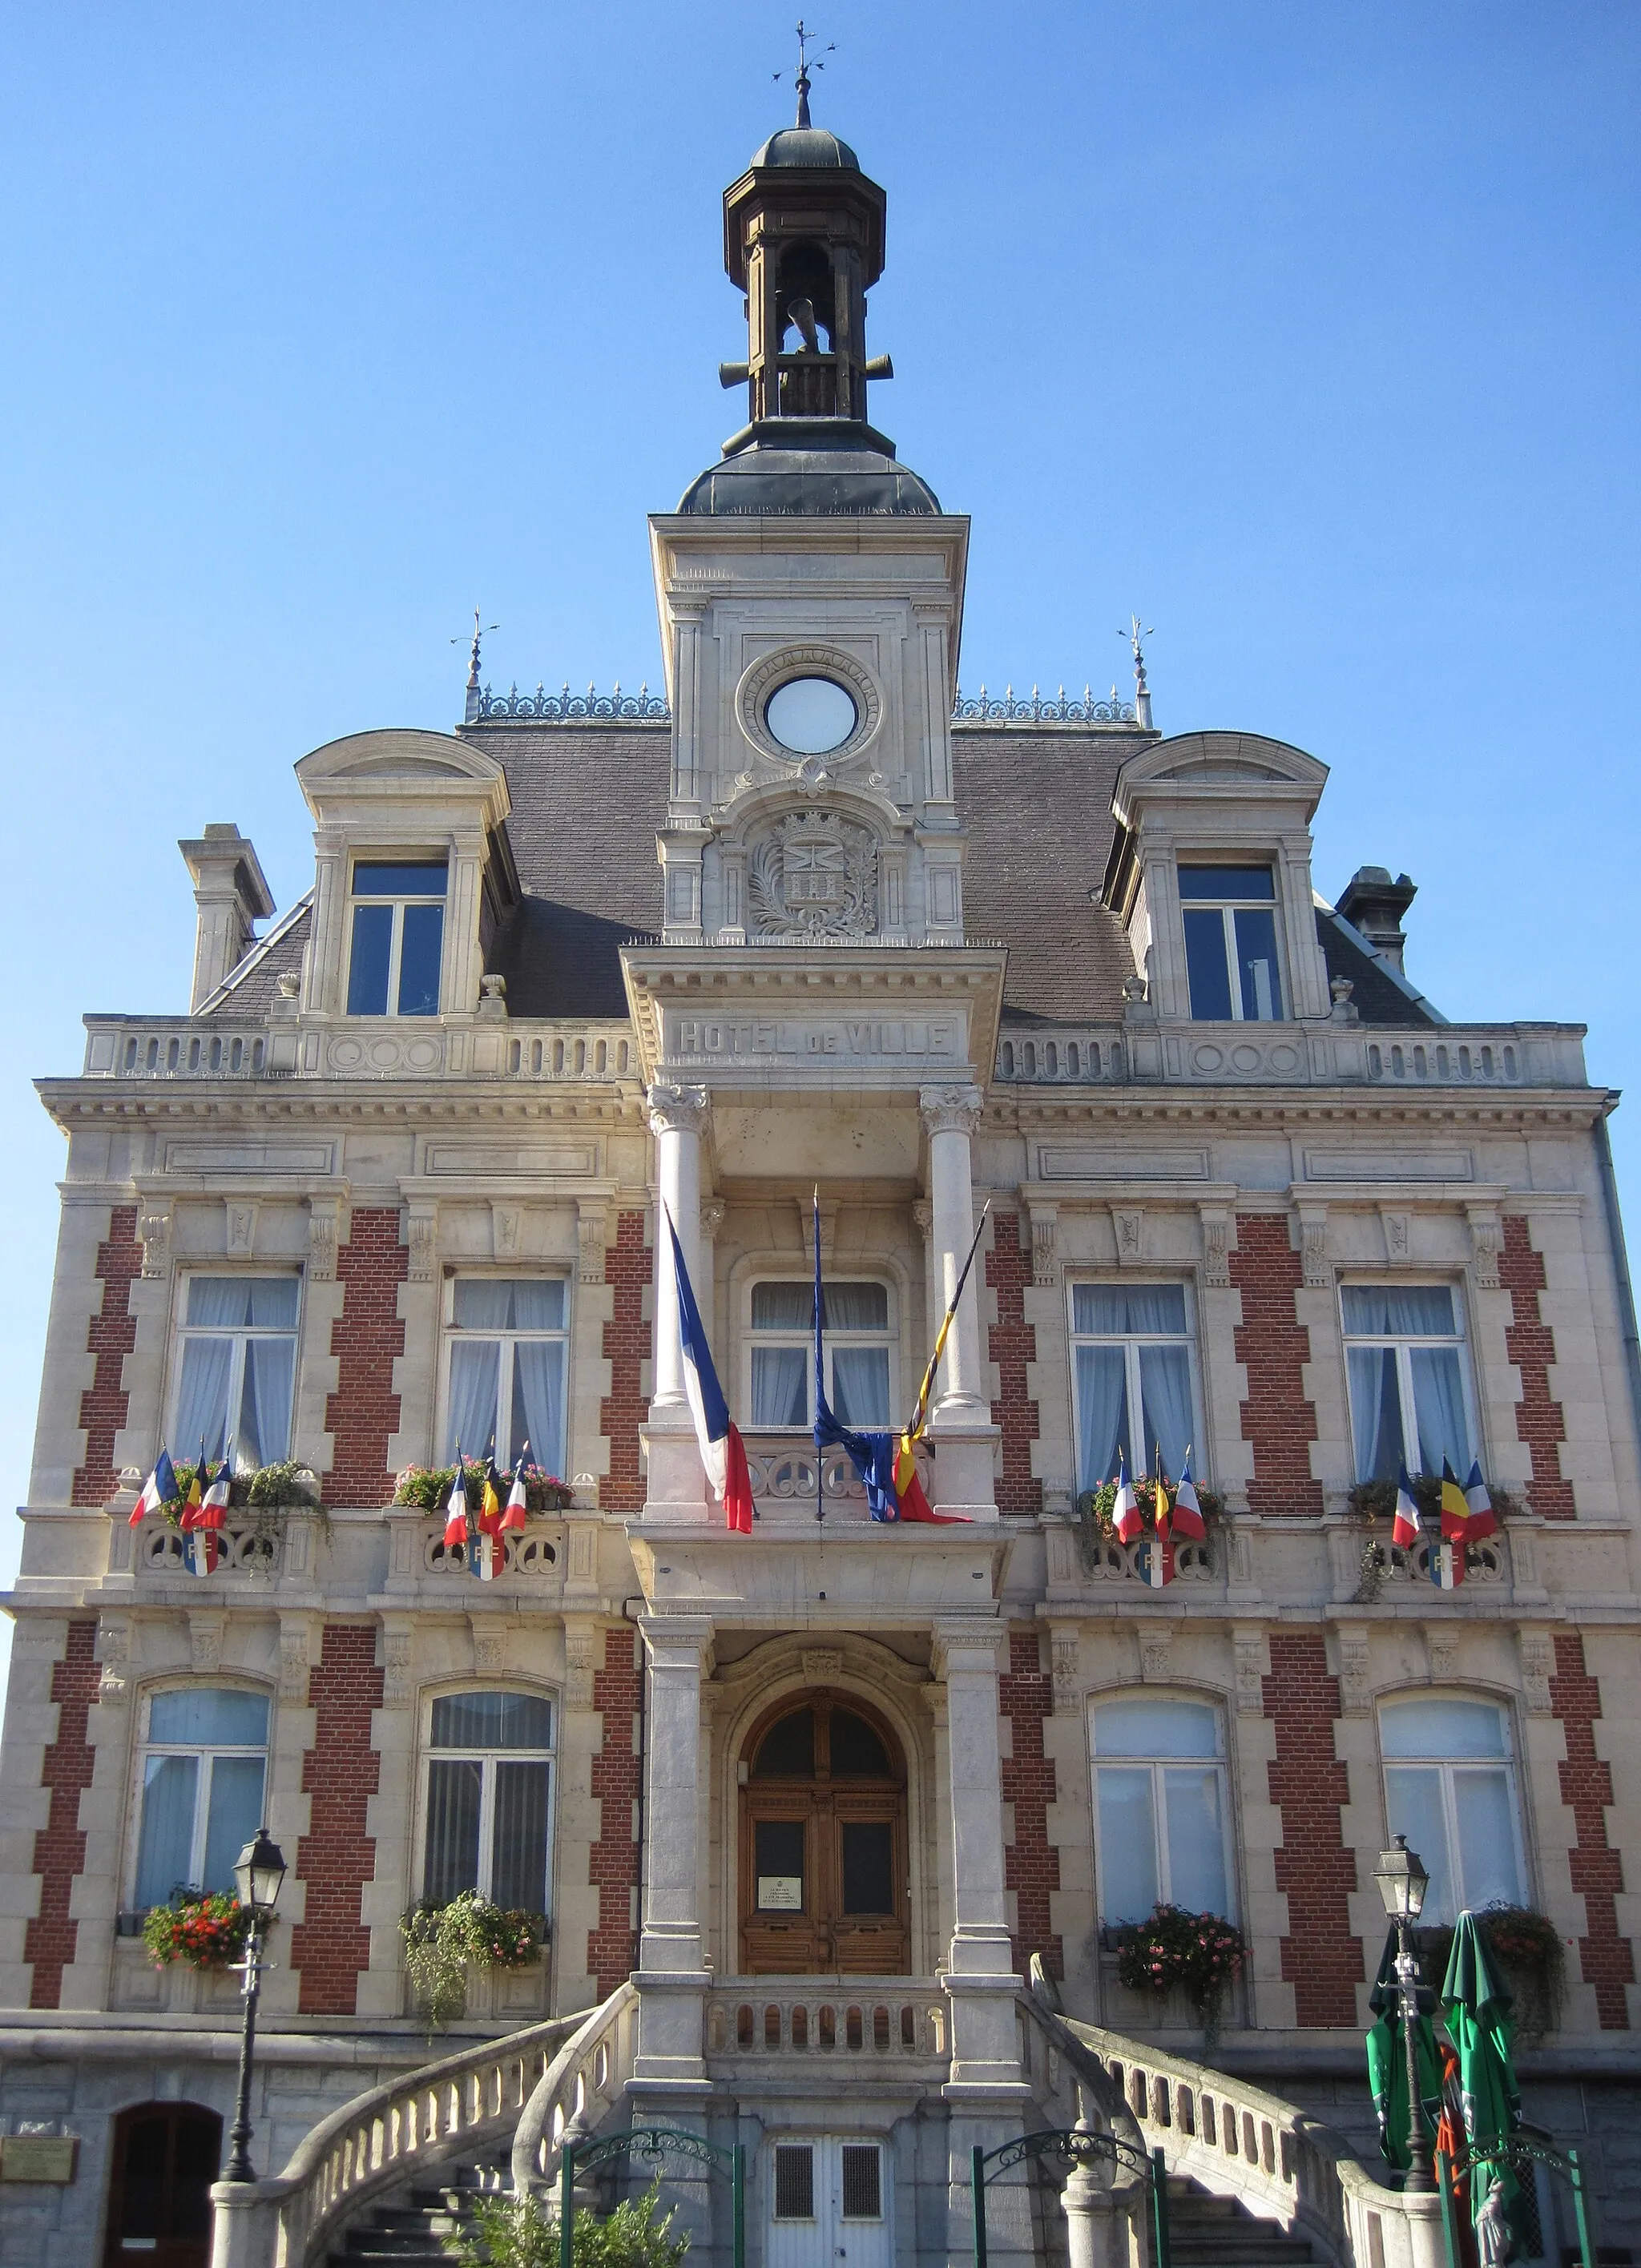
(838, 1832)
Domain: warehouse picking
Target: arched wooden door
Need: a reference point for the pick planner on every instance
(166, 2158)
(823, 1850)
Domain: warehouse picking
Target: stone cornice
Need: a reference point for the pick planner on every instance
(1291, 1110)
(87, 1101)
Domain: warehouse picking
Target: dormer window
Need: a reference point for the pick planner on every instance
(398, 937)
(1231, 944)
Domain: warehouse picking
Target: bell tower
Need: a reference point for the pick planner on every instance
(803, 238)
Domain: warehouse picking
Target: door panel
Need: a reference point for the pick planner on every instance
(828, 2200)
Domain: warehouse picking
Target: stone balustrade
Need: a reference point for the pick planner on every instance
(579, 2088)
(880, 2021)
(1145, 1051)
(782, 1468)
(489, 1045)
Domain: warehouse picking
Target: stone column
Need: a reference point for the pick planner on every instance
(671, 1980)
(677, 1486)
(962, 1416)
(987, 2091)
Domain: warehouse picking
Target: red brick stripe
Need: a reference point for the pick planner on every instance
(59, 1846)
(337, 1858)
(627, 1264)
(1321, 1958)
(1276, 1419)
(1607, 1960)
(1530, 1344)
(613, 1865)
(365, 1338)
(1031, 1863)
(111, 1338)
(1012, 1344)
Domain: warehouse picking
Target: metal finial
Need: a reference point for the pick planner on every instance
(805, 64)
(479, 629)
(1142, 690)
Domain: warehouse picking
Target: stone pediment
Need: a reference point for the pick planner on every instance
(430, 772)
(1217, 763)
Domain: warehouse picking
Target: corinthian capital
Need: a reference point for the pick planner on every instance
(676, 1110)
(950, 1109)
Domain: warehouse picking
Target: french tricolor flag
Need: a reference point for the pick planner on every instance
(722, 1452)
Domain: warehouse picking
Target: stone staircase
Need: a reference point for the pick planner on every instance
(413, 2232)
(1205, 2231)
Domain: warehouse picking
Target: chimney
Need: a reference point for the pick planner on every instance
(1372, 903)
(232, 893)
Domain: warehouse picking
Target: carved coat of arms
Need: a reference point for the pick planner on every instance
(814, 876)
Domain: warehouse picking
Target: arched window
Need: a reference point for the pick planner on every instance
(490, 1798)
(202, 1768)
(860, 1380)
(1161, 1807)
(1450, 1787)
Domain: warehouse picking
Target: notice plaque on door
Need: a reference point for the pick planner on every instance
(780, 1893)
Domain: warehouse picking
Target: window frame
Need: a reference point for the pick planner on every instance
(1445, 1766)
(1404, 1343)
(452, 1333)
(397, 903)
(143, 1747)
(182, 1330)
(1201, 1470)
(487, 1760)
(1227, 908)
(888, 1338)
(1220, 1763)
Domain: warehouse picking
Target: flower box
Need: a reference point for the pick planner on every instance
(207, 1932)
(427, 1488)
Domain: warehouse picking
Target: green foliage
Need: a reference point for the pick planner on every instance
(427, 1487)
(441, 1941)
(288, 1482)
(207, 1932)
(1199, 1953)
(1094, 1508)
(1377, 1499)
(1530, 1957)
(520, 2233)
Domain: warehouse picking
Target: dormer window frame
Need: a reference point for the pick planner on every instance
(1271, 1007)
(398, 904)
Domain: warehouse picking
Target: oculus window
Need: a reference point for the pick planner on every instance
(1450, 1787)
(398, 937)
(860, 1345)
(489, 1792)
(1131, 1365)
(239, 1348)
(1160, 1808)
(1410, 1387)
(1231, 944)
(810, 715)
(509, 1350)
(201, 1773)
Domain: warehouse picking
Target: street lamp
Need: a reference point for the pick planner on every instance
(257, 1877)
(1402, 1882)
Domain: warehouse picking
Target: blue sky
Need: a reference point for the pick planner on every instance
(1308, 331)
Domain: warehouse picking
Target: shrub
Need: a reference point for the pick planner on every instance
(207, 1932)
(441, 1941)
(1377, 1500)
(520, 2233)
(1199, 1953)
(427, 1487)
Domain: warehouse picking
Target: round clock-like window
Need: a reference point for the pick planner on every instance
(811, 715)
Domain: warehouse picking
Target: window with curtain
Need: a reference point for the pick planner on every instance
(509, 1344)
(201, 1767)
(1131, 1370)
(238, 1369)
(859, 1354)
(397, 937)
(1161, 1808)
(1230, 917)
(490, 1798)
(1450, 1787)
(1410, 1383)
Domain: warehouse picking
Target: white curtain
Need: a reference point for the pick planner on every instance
(538, 1402)
(1416, 1311)
(780, 1386)
(169, 1786)
(1129, 1310)
(1196, 1839)
(854, 1306)
(1128, 1885)
(203, 1395)
(1375, 1412)
(1439, 1409)
(860, 1385)
(475, 1365)
(518, 1844)
(482, 1304)
(1100, 1402)
(1165, 1384)
(234, 1814)
(454, 1785)
(538, 1304)
(264, 1431)
(782, 1306)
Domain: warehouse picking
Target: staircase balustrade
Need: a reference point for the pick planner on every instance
(579, 2088)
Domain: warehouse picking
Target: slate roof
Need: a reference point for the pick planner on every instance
(588, 799)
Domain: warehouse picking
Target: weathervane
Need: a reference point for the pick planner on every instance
(801, 77)
(479, 629)
(1142, 690)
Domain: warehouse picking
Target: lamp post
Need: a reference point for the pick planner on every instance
(257, 1877)
(1403, 1883)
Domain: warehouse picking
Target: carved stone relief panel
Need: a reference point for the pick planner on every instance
(814, 874)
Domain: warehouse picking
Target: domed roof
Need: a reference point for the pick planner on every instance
(807, 145)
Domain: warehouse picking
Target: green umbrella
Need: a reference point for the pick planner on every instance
(1388, 2059)
(1477, 2005)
